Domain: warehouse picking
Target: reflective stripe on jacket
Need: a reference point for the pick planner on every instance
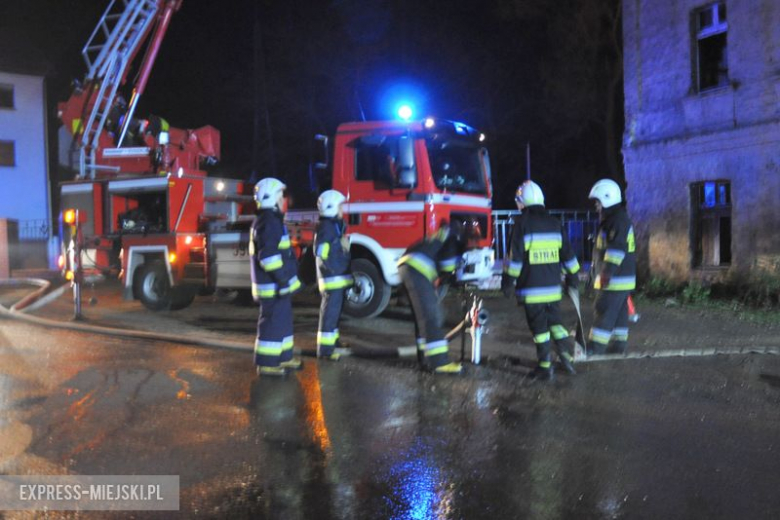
(614, 252)
(434, 255)
(539, 251)
(273, 264)
(331, 258)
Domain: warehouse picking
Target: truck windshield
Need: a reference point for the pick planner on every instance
(457, 165)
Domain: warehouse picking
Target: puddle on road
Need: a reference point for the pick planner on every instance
(184, 393)
(771, 380)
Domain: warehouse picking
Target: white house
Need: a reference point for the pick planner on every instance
(24, 170)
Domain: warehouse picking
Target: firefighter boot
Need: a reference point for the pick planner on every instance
(292, 364)
(618, 347)
(342, 349)
(449, 368)
(271, 371)
(567, 362)
(596, 348)
(564, 347)
(544, 371)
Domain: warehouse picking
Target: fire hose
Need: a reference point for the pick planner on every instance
(473, 324)
(16, 311)
(38, 298)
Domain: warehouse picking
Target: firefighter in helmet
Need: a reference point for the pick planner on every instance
(331, 249)
(614, 267)
(425, 262)
(539, 250)
(274, 279)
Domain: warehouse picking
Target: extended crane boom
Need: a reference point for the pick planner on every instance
(97, 116)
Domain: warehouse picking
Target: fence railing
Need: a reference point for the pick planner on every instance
(34, 230)
(580, 226)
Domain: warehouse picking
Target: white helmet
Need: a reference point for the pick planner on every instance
(329, 202)
(530, 194)
(267, 192)
(607, 192)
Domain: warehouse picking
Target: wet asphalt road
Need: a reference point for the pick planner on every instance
(374, 438)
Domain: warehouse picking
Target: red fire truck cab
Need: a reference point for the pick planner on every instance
(402, 181)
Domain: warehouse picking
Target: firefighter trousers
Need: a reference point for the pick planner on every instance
(432, 346)
(330, 313)
(609, 323)
(274, 343)
(544, 320)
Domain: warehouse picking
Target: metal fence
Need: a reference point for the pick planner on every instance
(37, 230)
(580, 225)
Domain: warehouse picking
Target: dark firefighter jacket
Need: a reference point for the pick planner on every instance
(538, 248)
(437, 254)
(274, 268)
(615, 251)
(332, 259)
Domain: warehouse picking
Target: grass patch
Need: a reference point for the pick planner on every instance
(754, 300)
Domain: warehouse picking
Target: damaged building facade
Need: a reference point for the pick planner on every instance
(702, 139)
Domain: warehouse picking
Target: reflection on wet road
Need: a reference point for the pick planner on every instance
(666, 438)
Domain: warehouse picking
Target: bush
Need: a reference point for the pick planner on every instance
(695, 292)
(760, 290)
(659, 287)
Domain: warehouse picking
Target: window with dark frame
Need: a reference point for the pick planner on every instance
(6, 96)
(711, 63)
(377, 161)
(7, 153)
(711, 223)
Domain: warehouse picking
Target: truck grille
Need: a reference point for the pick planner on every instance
(471, 219)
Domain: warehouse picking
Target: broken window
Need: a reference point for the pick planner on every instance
(711, 223)
(7, 153)
(6, 96)
(711, 57)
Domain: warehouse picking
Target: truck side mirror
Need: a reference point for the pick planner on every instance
(321, 158)
(319, 163)
(407, 173)
(407, 179)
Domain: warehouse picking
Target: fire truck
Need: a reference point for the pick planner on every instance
(151, 214)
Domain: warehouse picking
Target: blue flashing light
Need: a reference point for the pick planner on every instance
(405, 112)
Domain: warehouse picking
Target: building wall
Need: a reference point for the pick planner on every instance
(25, 187)
(676, 136)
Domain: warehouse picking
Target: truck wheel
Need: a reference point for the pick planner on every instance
(182, 297)
(152, 286)
(370, 294)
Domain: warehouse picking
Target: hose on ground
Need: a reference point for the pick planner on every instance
(14, 312)
(36, 299)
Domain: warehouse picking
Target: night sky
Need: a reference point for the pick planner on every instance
(269, 75)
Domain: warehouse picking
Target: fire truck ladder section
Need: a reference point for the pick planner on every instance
(108, 53)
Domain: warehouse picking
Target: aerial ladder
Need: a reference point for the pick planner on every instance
(117, 38)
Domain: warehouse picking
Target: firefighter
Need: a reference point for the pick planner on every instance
(153, 126)
(274, 279)
(331, 247)
(419, 269)
(614, 266)
(115, 117)
(539, 250)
